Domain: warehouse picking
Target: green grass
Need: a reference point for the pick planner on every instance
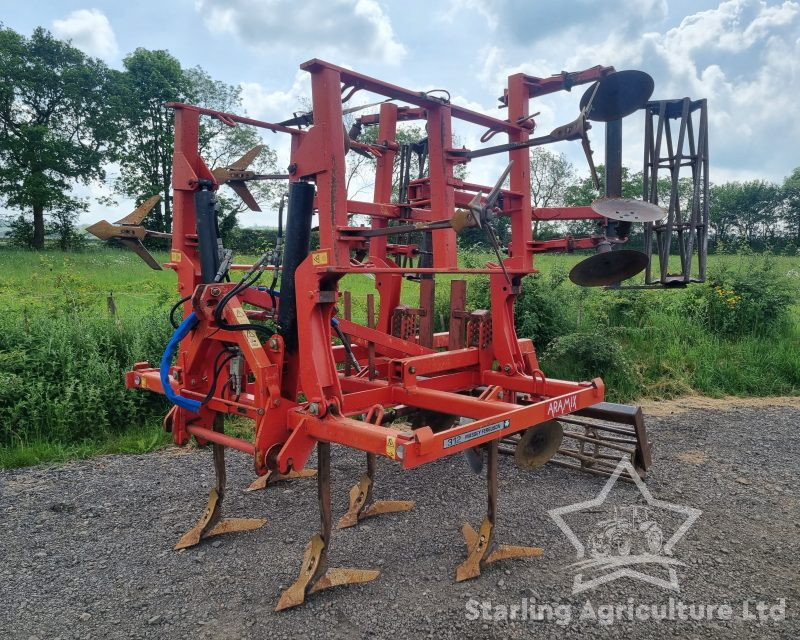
(141, 439)
(62, 356)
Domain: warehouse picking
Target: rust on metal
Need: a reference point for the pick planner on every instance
(271, 477)
(314, 572)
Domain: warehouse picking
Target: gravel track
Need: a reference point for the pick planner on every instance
(86, 546)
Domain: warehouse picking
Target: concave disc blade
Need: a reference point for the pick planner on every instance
(628, 209)
(619, 95)
(608, 268)
(538, 444)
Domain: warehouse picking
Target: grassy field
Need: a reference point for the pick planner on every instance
(62, 353)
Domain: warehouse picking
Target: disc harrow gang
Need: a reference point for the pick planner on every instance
(288, 358)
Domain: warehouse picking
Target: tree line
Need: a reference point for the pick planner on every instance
(66, 117)
(756, 213)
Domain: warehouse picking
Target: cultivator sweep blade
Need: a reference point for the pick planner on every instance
(482, 549)
(129, 231)
(361, 503)
(237, 175)
(363, 506)
(314, 572)
(211, 522)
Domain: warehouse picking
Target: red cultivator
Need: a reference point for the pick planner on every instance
(307, 375)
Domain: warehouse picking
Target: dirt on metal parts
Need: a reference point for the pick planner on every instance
(86, 546)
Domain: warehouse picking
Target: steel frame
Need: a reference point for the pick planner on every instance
(299, 398)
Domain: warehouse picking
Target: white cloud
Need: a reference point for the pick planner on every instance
(486, 9)
(90, 31)
(523, 21)
(742, 55)
(259, 102)
(353, 29)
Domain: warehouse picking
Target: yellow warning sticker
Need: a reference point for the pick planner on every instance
(319, 257)
(250, 336)
(390, 446)
(175, 256)
(252, 339)
(143, 383)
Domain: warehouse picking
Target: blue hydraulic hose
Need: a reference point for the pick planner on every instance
(166, 360)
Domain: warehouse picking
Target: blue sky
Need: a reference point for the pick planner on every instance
(743, 55)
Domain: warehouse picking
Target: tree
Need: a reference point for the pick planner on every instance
(55, 125)
(153, 78)
(791, 199)
(723, 210)
(758, 209)
(751, 208)
(551, 175)
(150, 79)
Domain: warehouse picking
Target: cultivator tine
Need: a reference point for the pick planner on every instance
(361, 503)
(481, 546)
(211, 522)
(314, 572)
(129, 232)
(273, 477)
